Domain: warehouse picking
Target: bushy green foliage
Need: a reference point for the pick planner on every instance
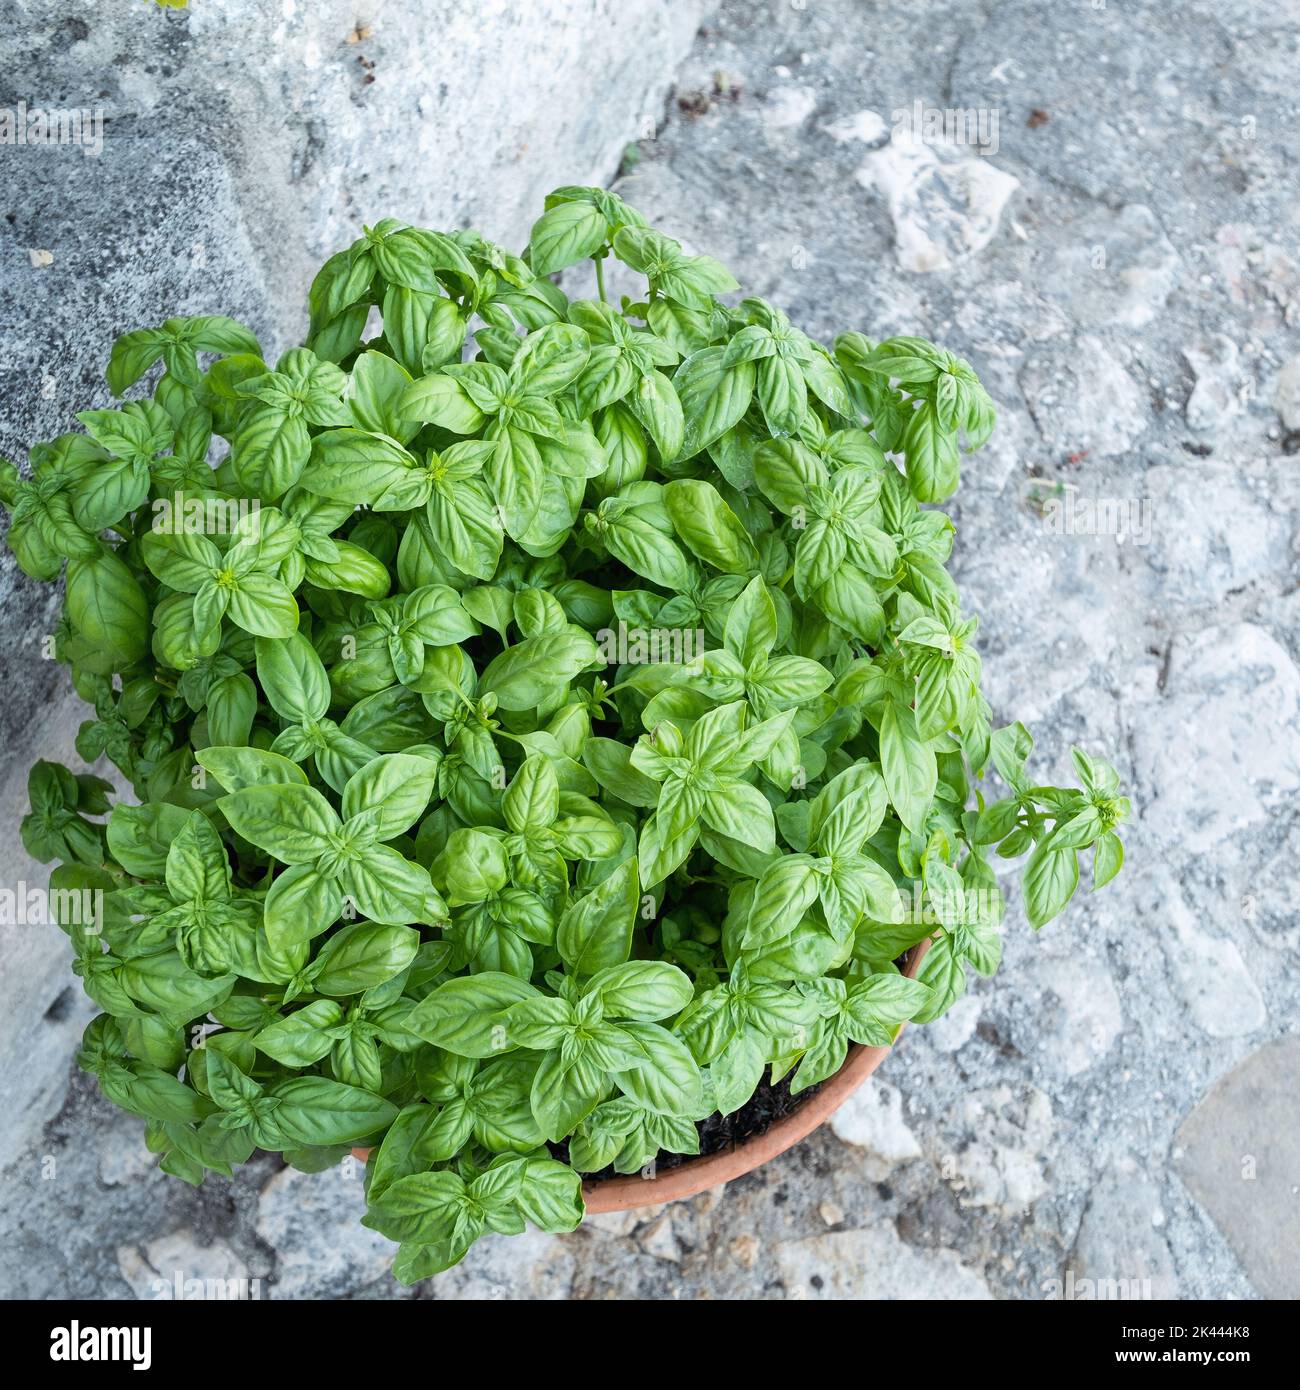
(528, 748)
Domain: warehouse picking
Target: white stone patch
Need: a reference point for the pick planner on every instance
(872, 1119)
(867, 126)
(1233, 696)
(660, 1240)
(1215, 527)
(1209, 971)
(874, 1262)
(1117, 1239)
(124, 1158)
(957, 1027)
(176, 1266)
(786, 108)
(1219, 393)
(615, 1223)
(1114, 269)
(1083, 398)
(1089, 1016)
(313, 1222)
(1002, 1168)
(944, 200)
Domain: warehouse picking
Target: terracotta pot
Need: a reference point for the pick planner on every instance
(698, 1174)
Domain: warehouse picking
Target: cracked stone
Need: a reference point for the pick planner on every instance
(660, 1240)
(613, 1223)
(1116, 269)
(1232, 693)
(1216, 527)
(1079, 1015)
(314, 1221)
(1011, 1133)
(1208, 971)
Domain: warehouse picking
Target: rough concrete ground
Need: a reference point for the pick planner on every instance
(1122, 266)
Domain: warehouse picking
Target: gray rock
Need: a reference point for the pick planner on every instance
(1081, 395)
(178, 1267)
(1079, 1015)
(1240, 1159)
(1114, 268)
(660, 1240)
(1286, 394)
(149, 197)
(314, 1221)
(1001, 1164)
(1233, 693)
(1120, 1245)
(956, 1028)
(327, 120)
(1208, 969)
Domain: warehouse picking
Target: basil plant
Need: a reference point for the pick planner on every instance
(545, 721)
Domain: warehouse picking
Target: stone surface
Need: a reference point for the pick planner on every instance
(1069, 1125)
(314, 1221)
(123, 239)
(1239, 1155)
(872, 1119)
(874, 1263)
(1120, 1236)
(176, 1266)
(945, 202)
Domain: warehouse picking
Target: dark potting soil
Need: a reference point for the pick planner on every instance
(764, 1108)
